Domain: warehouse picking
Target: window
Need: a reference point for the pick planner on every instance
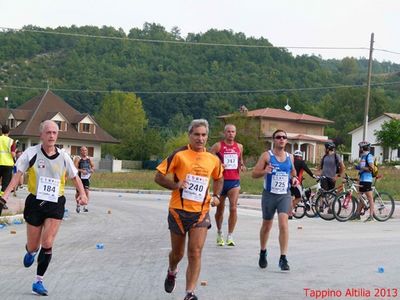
(11, 123)
(62, 125)
(86, 128)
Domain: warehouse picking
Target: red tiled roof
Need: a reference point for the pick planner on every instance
(393, 116)
(274, 113)
(45, 106)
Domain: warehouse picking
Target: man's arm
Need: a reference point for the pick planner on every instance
(76, 162)
(215, 148)
(82, 198)
(91, 165)
(167, 183)
(242, 165)
(217, 189)
(262, 166)
(307, 169)
(13, 183)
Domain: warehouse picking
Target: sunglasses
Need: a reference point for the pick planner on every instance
(278, 137)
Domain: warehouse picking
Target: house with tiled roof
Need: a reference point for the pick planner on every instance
(305, 132)
(75, 128)
(382, 154)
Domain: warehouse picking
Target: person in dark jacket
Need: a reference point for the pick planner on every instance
(300, 166)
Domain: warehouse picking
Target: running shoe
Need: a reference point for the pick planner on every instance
(39, 289)
(78, 209)
(220, 240)
(190, 296)
(230, 242)
(29, 258)
(170, 282)
(283, 264)
(369, 219)
(262, 262)
(85, 209)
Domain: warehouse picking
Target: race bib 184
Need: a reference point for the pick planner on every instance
(48, 189)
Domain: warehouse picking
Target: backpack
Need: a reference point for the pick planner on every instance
(374, 169)
(336, 163)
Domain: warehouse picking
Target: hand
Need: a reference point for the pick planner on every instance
(295, 181)
(82, 199)
(214, 201)
(180, 185)
(269, 168)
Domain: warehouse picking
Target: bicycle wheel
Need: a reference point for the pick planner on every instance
(344, 206)
(323, 205)
(299, 210)
(310, 208)
(310, 212)
(383, 206)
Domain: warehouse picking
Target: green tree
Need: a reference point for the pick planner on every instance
(122, 115)
(247, 133)
(389, 135)
(175, 143)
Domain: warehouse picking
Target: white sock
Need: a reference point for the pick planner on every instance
(39, 278)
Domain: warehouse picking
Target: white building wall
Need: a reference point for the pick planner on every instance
(67, 147)
(356, 137)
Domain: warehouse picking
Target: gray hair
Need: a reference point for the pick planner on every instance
(198, 123)
(46, 123)
(229, 125)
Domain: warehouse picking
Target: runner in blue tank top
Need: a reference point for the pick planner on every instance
(276, 166)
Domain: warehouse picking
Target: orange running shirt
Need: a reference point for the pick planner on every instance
(197, 168)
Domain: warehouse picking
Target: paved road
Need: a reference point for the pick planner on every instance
(322, 255)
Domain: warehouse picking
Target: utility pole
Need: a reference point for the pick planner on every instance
(371, 48)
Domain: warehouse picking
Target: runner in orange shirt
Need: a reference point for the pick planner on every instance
(192, 168)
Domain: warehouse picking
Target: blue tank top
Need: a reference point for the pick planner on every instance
(278, 182)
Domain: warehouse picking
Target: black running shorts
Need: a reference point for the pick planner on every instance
(365, 186)
(36, 211)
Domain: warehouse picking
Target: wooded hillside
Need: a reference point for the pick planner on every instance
(178, 81)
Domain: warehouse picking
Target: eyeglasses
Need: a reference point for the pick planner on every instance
(278, 137)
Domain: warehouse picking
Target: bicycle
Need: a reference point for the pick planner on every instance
(307, 202)
(324, 202)
(345, 204)
(312, 198)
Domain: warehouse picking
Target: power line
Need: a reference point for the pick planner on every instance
(186, 43)
(262, 91)
(388, 51)
(183, 42)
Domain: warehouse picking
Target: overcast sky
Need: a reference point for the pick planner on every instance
(319, 23)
